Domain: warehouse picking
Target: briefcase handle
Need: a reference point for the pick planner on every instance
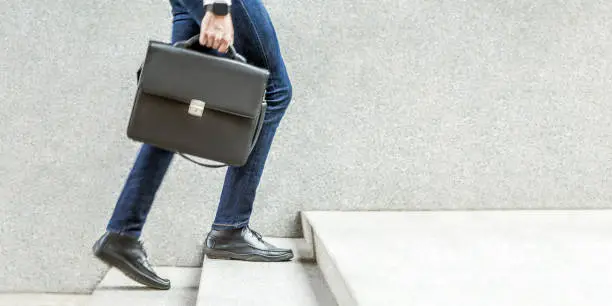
(191, 43)
(195, 41)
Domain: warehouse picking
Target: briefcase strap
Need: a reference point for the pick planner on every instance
(202, 164)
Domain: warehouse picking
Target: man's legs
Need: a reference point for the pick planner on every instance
(119, 246)
(255, 38)
(230, 237)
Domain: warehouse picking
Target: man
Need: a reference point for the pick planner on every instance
(215, 21)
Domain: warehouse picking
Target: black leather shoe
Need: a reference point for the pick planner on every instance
(128, 255)
(243, 244)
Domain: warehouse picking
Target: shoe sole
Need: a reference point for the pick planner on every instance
(128, 269)
(227, 255)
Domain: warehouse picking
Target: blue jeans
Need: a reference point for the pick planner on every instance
(255, 38)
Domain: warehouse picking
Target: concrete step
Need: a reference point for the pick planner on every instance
(237, 283)
(118, 290)
(527, 258)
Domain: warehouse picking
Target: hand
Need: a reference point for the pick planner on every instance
(217, 32)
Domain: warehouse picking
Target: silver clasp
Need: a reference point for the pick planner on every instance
(196, 108)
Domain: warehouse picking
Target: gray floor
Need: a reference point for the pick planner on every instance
(526, 258)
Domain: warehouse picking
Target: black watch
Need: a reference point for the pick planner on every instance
(219, 9)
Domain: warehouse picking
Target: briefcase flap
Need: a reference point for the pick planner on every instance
(185, 75)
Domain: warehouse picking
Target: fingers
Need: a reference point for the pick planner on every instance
(218, 37)
(216, 40)
(225, 43)
(202, 38)
(210, 38)
(217, 32)
(207, 38)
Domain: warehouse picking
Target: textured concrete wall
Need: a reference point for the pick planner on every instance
(399, 104)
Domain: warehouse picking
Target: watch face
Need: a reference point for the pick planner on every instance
(220, 8)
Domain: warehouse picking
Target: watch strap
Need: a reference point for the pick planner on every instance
(207, 2)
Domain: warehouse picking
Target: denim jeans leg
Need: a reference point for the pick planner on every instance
(139, 190)
(255, 38)
(136, 199)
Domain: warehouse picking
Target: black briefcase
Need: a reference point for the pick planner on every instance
(198, 104)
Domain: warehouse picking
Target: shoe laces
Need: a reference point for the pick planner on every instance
(142, 245)
(145, 260)
(256, 234)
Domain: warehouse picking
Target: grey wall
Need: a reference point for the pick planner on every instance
(415, 104)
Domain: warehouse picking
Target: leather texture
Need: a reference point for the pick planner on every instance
(233, 95)
(128, 255)
(243, 244)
